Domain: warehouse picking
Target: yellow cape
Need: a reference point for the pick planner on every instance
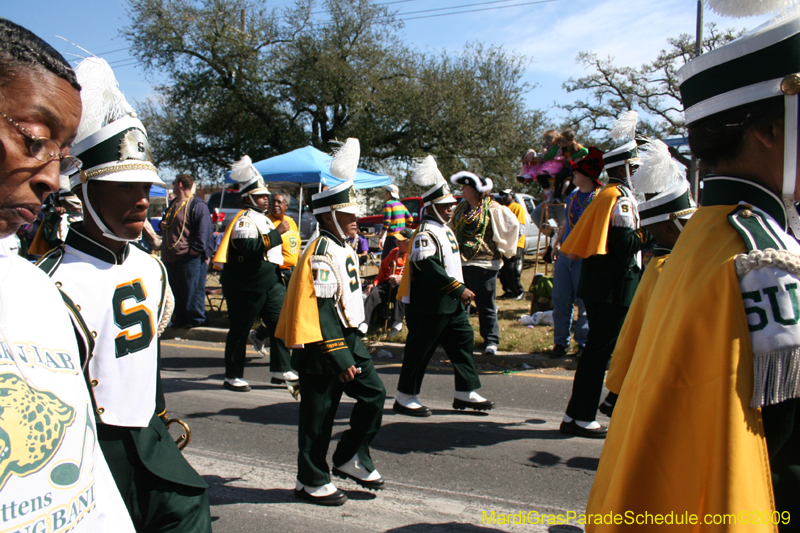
(405, 282)
(221, 256)
(590, 234)
(629, 334)
(683, 438)
(38, 245)
(299, 321)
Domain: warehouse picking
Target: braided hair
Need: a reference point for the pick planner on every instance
(21, 50)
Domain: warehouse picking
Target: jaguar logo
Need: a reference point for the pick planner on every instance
(32, 426)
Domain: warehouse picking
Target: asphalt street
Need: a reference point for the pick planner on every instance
(455, 471)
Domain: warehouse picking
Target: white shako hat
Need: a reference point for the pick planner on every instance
(111, 142)
(762, 64)
(342, 197)
(250, 179)
(480, 183)
(427, 174)
(662, 176)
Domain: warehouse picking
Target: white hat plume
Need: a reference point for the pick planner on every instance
(243, 170)
(658, 171)
(426, 173)
(102, 101)
(625, 126)
(749, 8)
(345, 160)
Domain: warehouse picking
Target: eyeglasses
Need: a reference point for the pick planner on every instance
(46, 150)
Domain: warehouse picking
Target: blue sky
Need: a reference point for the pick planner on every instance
(549, 33)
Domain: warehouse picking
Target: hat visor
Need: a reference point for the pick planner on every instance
(351, 209)
(448, 199)
(124, 176)
(261, 191)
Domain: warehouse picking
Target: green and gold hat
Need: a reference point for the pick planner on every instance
(340, 198)
(250, 179)
(427, 174)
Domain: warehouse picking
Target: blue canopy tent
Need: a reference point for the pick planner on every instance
(158, 192)
(308, 167)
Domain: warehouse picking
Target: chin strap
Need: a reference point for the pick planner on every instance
(436, 214)
(790, 162)
(339, 231)
(100, 224)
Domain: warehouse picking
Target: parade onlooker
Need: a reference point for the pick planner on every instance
(188, 241)
(486, 232)
(434, 292)
(395, 218)
(567, 269)
(252, 283)
(608, 239)
(119, 297)
(708, 417)
(511, 271)
(361, 245)
(383, 288)
(320, 319)
(45, 420)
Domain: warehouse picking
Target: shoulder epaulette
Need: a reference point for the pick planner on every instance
(754, 229)
(51, 260)
(83, 334)
(321, 247)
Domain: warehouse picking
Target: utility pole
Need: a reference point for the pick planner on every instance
(698, 50)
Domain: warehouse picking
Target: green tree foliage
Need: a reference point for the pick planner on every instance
(652, 90)
(242, 79)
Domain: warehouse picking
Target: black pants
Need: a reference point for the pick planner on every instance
(243, 308)
(510, 274)
(483, 282)
(383, 294)
(154, 504)
(319, 401)
(782, 431)
(425, 332)
(605, 321)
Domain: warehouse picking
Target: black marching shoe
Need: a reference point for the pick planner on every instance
(403, 410)
(334, 499)
(485, 405)
(572, 428)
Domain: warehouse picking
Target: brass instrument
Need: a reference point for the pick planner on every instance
(185, 438)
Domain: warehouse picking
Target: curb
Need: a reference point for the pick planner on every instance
(379, 350)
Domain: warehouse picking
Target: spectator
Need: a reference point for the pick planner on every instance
(361, 245)
(567, 271)
(187, 244)
(383, 288)
(486, 231)
(395, 218)
(511, 271)
(45, 420)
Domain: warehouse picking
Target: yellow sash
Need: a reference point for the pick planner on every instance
(590, 234)
(683, 438)
(221, 256)
(299, 321)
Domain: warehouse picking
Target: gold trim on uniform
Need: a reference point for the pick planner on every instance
(85, 176)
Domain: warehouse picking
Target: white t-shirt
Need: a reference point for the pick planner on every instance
(53, 476)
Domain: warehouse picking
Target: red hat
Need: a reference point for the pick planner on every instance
(591, 165)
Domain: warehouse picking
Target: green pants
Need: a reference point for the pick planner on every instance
(243, 308)
(319, 400)
(155, 504)
(425, 332)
